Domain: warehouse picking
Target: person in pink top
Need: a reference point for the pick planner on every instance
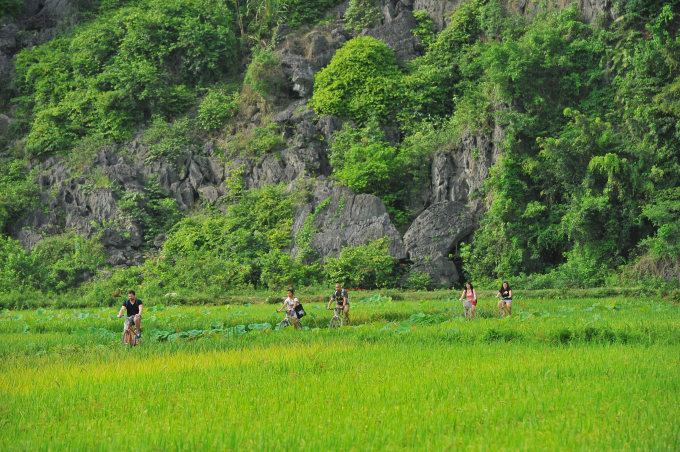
(470, 302)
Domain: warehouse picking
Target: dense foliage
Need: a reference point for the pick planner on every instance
(123, 67)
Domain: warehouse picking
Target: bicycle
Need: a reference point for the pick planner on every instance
(285, 322)
(338, 320)
(129, 333)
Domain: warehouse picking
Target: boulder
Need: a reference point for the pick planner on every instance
(348, 220)
(434, 235)
(300, 70)
(397, 35)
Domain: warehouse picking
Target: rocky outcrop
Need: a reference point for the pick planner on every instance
(396, 34)
(433, 236)
(348, 220)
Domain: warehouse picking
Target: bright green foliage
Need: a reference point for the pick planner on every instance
(366, 266)
(430, 87)
(123, 67)
(362, 14)
(419, 281)
(304, 236)
(426, 28)
(240, 246)
(307, 12)
(360, 82)
(263, 74)
(568, 196)
(170, 139)
(58, 263)
(255, 142)
(664, 213)
(364, 162)
(18, 194)
(217, 106)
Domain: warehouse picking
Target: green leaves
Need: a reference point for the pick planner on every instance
(360, 82)
(123, 67)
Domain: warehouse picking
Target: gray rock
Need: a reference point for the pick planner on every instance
(160, 240)
(397, 35)
(363, 218)
(8, 35)
(117, 258)
(209, 194)
(434, 235)
(28, 238)
(300, 70)
(327, 125)
(282, 30)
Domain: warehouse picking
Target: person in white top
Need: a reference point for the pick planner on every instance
(289, 304)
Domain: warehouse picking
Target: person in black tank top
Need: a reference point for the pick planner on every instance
(341, 298)
(505, 295)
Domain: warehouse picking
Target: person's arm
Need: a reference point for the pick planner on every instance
(498, 294)
(141, 308)
(474, 294)
(122, 308)
(329, 303)
(510, 293)
(297, 302)
(462, 295)
(345, 300)
(282, 305)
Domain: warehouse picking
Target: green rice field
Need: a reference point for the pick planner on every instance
(570, 374)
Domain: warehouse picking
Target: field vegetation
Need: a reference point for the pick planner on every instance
(575, 373)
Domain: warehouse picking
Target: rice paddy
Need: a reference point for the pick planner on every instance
(583, 374)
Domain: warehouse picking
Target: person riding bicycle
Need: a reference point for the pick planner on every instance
(470, 296)
(134, 308)
(290, 303)
(341, 298)
(505, 294)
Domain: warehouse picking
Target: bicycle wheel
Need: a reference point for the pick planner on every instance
(127, 337)
(335, 323)
(344, 321)
(284, 324)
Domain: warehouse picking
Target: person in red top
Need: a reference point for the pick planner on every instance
(470, 302)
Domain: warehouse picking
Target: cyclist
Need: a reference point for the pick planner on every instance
(341, 298)
(505, 295)
(290, 303)
(470, 296)
(134, 308)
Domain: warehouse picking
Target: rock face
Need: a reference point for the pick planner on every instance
(433, 236)
(396, 34)
(348, 220)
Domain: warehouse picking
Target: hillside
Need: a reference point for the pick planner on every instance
(167, 144)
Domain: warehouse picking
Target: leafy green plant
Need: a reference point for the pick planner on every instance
(263, 74)
(360, 82)
(217, 106)
(426, 28)
(362, 14)
(123, 67)
(170, 139)
(365, 266)
(18, 193)
(419, 281)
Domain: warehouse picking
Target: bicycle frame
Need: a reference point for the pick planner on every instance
(338, 319)
(130, 333)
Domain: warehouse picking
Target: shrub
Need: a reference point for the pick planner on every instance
(11, 7)
(217, 106)
(362, 14)
(419, 281)
(308, 12)
(18, 194)
(125, 66)
(360, 82)
(366, 266)
(263, 74)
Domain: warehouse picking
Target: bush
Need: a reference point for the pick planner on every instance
(362, 14)
(363, 267)
(123, 67)
(308, 12)
(11, 7)
(263, 74)
(419, 281)
(217, 106)
(360, 82)
(18, 194)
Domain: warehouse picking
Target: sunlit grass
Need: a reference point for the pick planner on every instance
(432, 381)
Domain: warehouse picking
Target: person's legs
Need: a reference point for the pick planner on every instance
(509, 308)
(347, 314)
(138, 325)
(472, 309)
(295, 323)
